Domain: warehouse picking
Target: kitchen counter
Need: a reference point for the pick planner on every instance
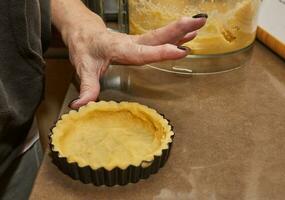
(229, 142)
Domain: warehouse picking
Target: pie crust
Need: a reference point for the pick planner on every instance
(111, 136)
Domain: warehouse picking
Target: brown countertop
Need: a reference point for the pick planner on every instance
(230, 135)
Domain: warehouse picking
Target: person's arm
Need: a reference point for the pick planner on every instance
(92, 47)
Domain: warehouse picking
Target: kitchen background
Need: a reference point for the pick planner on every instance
(271, 32)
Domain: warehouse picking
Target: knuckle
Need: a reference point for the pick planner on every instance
(167, 46)
(139, 59)
(84, 87)
(114, 48)
(79, 61)
(164, 51)
(135, 38)
(155, 35)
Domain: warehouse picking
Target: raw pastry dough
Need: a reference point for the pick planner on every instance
(110, 134)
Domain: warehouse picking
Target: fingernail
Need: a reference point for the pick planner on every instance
(72, 102)
(184, 48)
(200, 15)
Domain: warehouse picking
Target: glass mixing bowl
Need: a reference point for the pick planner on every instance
(223, 44)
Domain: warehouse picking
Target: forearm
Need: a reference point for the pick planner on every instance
(69, 15)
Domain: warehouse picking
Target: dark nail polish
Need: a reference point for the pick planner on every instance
(184, 48)
(73, 101)
(200, 15)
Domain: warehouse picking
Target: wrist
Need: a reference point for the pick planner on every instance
(72, 17)
(81, 26)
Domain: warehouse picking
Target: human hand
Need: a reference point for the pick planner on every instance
(92, 47)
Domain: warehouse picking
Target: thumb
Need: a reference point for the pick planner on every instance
(89, 87)
(89, 91)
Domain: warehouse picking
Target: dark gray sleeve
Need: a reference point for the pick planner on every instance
(21, 73)
(45, 23)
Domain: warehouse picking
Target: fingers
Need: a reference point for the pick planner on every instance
(143, 54)
(89, 71)
(188, 37)
(171, 33)
(155, 46)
